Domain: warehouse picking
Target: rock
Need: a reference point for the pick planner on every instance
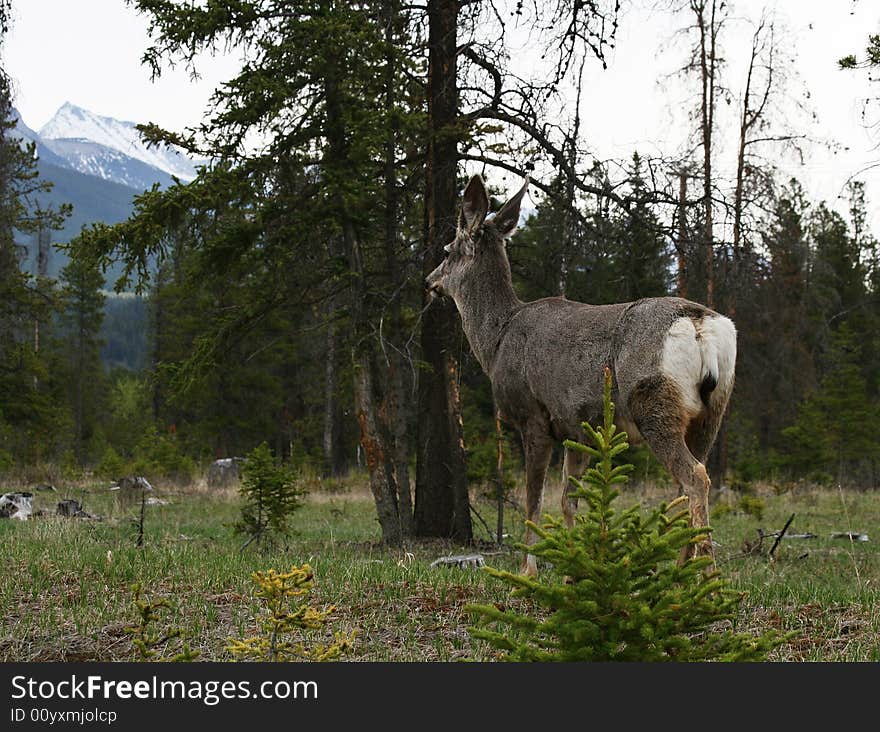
(224, 473)
(130, 489)
(132, 483)
(16, 505)
(463, 561)
(46, 487)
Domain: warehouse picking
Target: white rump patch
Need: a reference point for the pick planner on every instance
(682, 363)
(691, 352)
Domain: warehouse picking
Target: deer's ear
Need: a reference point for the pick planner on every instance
(474, 206)
(507, 218)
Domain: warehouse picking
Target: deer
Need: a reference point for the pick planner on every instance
(672, 362)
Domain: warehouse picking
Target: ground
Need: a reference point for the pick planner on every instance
(66, 589)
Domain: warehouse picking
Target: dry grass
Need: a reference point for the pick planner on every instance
(66, 588)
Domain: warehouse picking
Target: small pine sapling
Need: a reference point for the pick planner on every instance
(286, 617)
(624, 597)
(148, 642)
(271, 496)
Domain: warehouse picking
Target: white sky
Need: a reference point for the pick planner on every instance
(88, 52)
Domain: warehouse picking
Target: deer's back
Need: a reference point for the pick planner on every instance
(551, 356)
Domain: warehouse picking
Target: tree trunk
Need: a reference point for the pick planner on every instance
(43, 240)
(329, 437)
(708, 41)
(382, 483)
(79, 400)
(378, 448)
(682, 243)
(334, 462)
(394, 405)
(442, 507)
(158, 342)
(374, 439)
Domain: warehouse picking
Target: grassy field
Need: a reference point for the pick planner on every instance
(65, 593)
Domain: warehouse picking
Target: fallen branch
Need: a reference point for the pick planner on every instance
(483, 522)
(781, 534)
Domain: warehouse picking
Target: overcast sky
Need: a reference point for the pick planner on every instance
(88, 52)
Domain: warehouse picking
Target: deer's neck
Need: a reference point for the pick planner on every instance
(485, 312)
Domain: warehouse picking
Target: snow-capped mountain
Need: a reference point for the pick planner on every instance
(27, 136)
(92, 158)
(75, 123)
(22, 130)
(97, 178)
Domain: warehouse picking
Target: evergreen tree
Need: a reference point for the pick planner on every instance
(294, 223)
(777, 336)
(625, 597)
(614, 256)
(837, 278)
(271, 496)
(286, 619)
(27, 421)
(643, 260)
(836, 429)
(126, 420)
(540, 250)
(80, 318)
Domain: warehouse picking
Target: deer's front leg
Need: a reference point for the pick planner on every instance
(573, 466)
(538, 449)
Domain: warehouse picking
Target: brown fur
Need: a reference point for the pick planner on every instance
(665, 425)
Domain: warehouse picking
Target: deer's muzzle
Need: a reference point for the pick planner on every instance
(434, 282)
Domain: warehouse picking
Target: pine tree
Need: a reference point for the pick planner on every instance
(271, 496)
(293, 223)
(81, 315)
(27, 415)
(625, 597)
(286, 619)
(838, 290)
(776, 367)
(643, 258)
(836, 429)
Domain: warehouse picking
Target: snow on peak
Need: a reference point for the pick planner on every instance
(22, 131)
(72, 122)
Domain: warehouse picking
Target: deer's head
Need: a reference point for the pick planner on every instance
(479, 241)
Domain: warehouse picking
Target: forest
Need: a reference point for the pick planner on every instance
(279, 297)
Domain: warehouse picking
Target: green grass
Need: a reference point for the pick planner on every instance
(65, 593)
(825, 589)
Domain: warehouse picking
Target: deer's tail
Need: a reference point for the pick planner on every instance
(716, 336)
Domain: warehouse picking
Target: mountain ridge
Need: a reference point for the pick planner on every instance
(72, 122)
(98, 179)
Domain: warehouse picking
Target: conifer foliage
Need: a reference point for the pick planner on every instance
(286, 617)
(625, 598)
(147, 640)
(271, 495)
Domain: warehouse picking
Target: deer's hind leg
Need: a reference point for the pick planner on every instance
(703, 429)
(573, 466)
(659, 414)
